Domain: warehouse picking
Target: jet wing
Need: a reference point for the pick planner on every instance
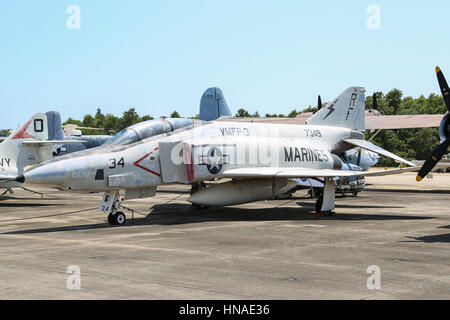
(403, 121)
(372, 122)
(308, 173)
(4, 178)
(39, 143)
(371, 147)
(265, 120)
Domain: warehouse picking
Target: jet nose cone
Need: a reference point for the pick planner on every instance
(49, 174)
(20, 179)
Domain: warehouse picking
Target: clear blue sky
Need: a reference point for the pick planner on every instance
(159, 56)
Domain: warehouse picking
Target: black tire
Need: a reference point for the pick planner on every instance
(319, 203)
(120, 218)
(111, 219)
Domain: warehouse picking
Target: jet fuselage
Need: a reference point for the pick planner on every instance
(200, 152)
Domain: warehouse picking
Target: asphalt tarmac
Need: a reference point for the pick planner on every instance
(395, 235)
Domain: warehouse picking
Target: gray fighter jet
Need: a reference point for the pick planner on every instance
(261, 159)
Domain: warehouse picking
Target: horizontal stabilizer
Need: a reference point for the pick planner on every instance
(371, 147)
(308, 173)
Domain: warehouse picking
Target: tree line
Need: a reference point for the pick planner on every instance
(407, 143)
(109, 123)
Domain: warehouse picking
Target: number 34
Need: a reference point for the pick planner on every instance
(113, 163)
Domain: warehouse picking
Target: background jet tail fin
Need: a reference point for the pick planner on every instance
(35, 128)
(55, 130)
(15, 154)
(347, 111)
(213, 105)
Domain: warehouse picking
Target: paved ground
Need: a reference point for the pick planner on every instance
(264, 250)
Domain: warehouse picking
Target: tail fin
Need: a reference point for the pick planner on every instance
(14, 155)
(347, 111)
(213, 105)
(55, 130)
(35, 128)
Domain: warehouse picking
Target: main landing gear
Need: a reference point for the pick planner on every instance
(195, 187)
(325, 203)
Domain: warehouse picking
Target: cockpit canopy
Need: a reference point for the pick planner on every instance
(146, 129)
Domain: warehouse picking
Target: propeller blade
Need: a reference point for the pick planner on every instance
(444, 87)
(319, 103)
(431, 162)
(375, 102)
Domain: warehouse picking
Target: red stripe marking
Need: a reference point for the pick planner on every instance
(188, 161)
(22, 133)
(136, 164)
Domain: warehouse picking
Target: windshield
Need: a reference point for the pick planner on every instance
(146, 129)
(126, 136)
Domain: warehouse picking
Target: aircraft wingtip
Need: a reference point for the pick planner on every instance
(419, 178)
(438, 69)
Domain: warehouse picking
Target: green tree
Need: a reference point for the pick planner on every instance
(146, 118)
(98, 120)
(129, 118)
(88, 121)
(242, 113)
(111, 123)
(311, 109)
(175, 114)
(394, 99)
(72, 121)
(293, 113)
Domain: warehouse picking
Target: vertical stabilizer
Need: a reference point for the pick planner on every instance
(35, 128)
(55, 130)
(14, 154)
(347, 111)
(213, 105)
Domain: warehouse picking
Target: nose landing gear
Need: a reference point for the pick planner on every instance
(110, 204)
(117, 219)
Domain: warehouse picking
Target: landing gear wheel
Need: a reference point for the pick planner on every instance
(111, 219)
(319, 203)
(197, 186)
(197, 207)
(355, 194)
(119, 218)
